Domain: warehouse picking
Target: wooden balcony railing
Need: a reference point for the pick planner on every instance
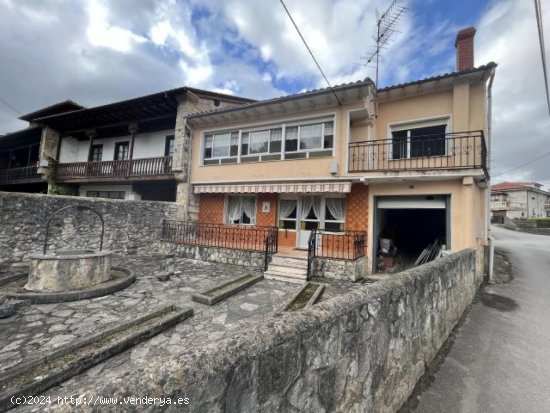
(25, 173)
(460, 150)
(122, 169)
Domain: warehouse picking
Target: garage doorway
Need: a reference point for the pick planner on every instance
(412, 223)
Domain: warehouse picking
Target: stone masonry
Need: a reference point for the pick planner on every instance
(130, 226)
(362, 351)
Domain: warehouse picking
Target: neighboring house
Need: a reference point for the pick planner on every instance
(406, 162)
(20, 152)
(132, 149)
(515, 200)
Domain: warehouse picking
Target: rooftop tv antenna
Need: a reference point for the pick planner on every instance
(385, 29)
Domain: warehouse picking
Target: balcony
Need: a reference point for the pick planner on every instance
(451, 151)
(133, 169)
(499, 205)
(26, 174)
(547, 205)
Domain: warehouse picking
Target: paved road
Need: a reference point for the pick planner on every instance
(500, 360)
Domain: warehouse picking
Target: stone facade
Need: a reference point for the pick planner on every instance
(362, 351)
(340, 269)
(130, 226)
(220, 255)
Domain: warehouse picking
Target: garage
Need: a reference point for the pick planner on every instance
(408, 224)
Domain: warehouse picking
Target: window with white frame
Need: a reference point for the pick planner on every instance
(299, 140)
(220, 146)
(335, 214)
(423, 139)
(241, 210)
(288, 213)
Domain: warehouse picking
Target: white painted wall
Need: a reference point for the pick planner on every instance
(146, 145)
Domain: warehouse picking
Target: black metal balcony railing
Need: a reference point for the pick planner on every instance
(247, 238)
(347, 245)
(458, 150)
(19, 174)
(128, 168)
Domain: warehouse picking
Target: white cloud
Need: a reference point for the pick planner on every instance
(507, 34)
(102, 33)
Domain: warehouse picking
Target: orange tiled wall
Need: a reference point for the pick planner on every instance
(211, 208)
(357, 212)
(266, 219)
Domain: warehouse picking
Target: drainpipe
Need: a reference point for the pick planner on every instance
(489, 153)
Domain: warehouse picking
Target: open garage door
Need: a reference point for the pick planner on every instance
(411, 223)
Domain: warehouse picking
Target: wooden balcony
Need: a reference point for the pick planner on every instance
(26, 174)
(450, 151)
(159, 168)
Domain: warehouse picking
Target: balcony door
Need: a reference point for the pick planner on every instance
(122, 150)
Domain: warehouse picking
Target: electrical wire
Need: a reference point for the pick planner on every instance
(10, 106)
(311, 53)
(524, 164)
(538, 13)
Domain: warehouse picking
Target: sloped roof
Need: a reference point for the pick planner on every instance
(513, 186)
(281, 99)
(490, 65)
(60, 107)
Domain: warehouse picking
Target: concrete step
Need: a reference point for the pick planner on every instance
(291, 278)
(289, 262)
(288, 270)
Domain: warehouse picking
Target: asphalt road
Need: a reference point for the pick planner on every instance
(500, 359)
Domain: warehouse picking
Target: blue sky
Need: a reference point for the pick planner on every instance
(99, 51)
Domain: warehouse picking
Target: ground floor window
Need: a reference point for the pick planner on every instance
(241, 210)
(312, 212)
(106, 194)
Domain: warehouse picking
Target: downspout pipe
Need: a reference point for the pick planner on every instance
(489, 154)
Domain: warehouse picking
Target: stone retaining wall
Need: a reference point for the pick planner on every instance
(130, 226)
(525, 226)
(361, 351)
(340, 269)
(217, 254)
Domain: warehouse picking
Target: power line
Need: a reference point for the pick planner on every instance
(538, 12)
(10, 106)
(524, 164)
(310, 52)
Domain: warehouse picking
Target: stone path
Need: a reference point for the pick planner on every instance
(39, 329)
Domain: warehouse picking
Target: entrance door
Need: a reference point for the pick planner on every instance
(309, 218)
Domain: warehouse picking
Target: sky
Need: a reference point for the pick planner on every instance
(96, 52)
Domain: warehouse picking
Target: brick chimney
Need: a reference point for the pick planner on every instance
(465, 49)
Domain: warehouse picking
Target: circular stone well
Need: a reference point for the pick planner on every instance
(68, 270)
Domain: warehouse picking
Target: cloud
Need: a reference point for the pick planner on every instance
(98, 51)
(507, 33)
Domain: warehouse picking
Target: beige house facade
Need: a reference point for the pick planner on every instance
(406, 162)
(519, 200)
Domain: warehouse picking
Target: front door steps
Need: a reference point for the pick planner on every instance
(289, 269)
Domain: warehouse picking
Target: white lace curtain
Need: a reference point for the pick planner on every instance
(234, 209)
(249, 208)
(309, 202)
(286, 207)
(337, 208)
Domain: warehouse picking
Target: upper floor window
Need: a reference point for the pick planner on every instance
(418, 141)
(97, 153)
(169, 146)
(122, 150)
(284, 141)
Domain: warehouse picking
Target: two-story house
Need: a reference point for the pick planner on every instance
(351, 164)
(515, 200)
(131, 149)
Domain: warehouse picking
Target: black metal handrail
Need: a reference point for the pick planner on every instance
(240, 237)
(345, 245)
(458, 150)
(271, 245)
